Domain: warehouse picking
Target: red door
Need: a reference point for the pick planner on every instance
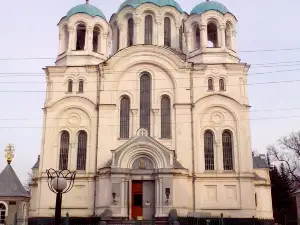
(137, 199)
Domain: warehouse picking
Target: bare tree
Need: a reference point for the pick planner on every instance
(287, 151)
(27, 183)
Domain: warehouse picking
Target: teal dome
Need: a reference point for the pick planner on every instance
(209, 5)
(137, 3)
(86, 8)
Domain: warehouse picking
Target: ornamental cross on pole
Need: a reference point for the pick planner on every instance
(9, 153)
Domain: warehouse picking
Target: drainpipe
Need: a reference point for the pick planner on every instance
(97, 135)
(192, 134)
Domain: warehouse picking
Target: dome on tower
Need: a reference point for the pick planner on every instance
(137, 3)
(209, 5)
(87, 9)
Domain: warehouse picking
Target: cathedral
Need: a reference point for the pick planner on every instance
(150, 108)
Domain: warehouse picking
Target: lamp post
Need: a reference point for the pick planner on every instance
(58, 184)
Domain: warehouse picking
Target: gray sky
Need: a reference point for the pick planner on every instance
(30, 30)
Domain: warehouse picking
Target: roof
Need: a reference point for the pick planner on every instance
(161, 3)
(37, 163)
(87, 9)
(259, 162)
(10, 185)
(209, 5)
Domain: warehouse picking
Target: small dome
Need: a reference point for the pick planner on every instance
(86, 8)
(209, 5)
(137, 3)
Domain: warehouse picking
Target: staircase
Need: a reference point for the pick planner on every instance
(156, 221)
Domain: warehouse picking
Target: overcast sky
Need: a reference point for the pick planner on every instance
(29, 30)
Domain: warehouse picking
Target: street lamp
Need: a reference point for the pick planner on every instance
(58, 184)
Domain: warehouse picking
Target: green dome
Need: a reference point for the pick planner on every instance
(209, 5)
(137, 3)
(86, 8)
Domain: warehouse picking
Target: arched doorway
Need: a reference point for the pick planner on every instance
(2, 213)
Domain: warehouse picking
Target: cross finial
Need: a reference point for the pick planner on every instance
(9, 153)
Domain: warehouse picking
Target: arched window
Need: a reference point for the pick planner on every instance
(96, 39)
(212, 35)
(180, 37)
(130, 32)
(227, 150)
(209, 150)
(210, 84)
(66, 38)
(167, 30)
(2, 213)
(148, 29)
(70, 86)
(124, 117)
(80, 86)
(228, 40)
(64, 150)
(222, 84)
(81, 33)
(118, 39)
(197, 38)
(165, 117)
(81, 150)
(255, 198)
(145, 101)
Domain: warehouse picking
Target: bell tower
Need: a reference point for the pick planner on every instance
(211, 34)
(84, 36)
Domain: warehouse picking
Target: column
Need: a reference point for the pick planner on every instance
(61, 44)
(161, 202)
(134, 121)
(222, 37)
(89, 39)
(130, 197)
(218, 156)
(123, 36)
(72, 39)
(72, 157)
(155, 124)
(159, 33)
(176, 38)
(123, 196)
(189, 41)
(104, 45)
(233, 40)
(203, 36)
(137, 31)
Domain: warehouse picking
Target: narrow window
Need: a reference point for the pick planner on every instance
(81, 33)
(197, 38)
(165, 117)
(118, 38)
(180, 37)
(80, 86)
(64, 150)
(145, 101)
(209, 150)
(222, 84)
(130, 32)
(227, 150)
(210, 84)
(96, 40)
(167, 29)
(228, 40)
(255, 196)
(212, 35)
(81, 150)
(70, 86)
(124, 117)
(2, 213)
(66, 38)
(148, 30)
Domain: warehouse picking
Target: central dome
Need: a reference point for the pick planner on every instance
(137, 3)
(209, 5)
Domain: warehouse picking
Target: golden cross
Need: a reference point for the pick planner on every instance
(9, 153)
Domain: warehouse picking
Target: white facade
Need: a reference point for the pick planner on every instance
(189, 74)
